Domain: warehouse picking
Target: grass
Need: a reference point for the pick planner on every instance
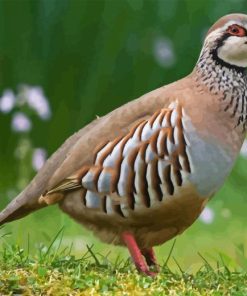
(53, 270)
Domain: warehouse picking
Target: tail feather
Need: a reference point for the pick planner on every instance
(28, 200)
(20, 207)
(13, 212)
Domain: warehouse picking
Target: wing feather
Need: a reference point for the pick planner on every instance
(138, 169)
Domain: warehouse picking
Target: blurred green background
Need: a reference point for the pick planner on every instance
(89, 57)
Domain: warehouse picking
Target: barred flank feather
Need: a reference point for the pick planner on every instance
(142, 167)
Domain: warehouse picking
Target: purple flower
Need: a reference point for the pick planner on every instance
(207, 215)
(21, 123)
(7, 101)
(163, 52)
(38, 102)
(39, 158)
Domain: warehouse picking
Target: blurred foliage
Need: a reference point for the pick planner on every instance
(91, 56)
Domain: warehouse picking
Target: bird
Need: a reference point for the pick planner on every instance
(142, 174)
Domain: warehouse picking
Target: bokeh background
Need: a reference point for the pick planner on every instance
(62, 63)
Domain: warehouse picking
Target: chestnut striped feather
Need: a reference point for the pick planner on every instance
(143, 167)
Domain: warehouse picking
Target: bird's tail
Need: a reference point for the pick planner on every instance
(29, 199)
(21, 206)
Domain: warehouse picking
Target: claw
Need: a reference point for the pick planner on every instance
(150, 258)
(152, 274)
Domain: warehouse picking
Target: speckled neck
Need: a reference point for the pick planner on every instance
(227, 81)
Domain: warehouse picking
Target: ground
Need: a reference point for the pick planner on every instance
(54, 272)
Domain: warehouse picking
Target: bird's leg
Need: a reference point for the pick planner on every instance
(136, 254)
(150, 258)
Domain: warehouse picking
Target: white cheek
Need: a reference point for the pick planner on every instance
(234, 51)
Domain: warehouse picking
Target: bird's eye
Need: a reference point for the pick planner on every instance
(236, 30)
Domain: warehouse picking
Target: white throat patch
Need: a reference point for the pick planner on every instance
(234, 48)
(234, 51)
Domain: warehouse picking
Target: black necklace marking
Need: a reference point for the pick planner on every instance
(219, 61)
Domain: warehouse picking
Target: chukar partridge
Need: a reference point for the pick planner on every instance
(143, 173)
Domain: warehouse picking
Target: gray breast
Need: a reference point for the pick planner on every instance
(210, 163)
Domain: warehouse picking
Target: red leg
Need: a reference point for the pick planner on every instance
(136, 254)
(150, 257)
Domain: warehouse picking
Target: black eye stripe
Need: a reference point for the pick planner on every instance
(221, 40)
(225, 36)
(214, 53)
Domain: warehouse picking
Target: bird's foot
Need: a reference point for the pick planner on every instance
(146, 271)
(149, 255)
(137, 255)
(142, 267)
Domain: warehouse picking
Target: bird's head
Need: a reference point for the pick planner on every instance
(227, 41)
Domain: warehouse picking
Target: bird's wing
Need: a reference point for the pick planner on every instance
(77, 151)
(139, 167)
(107, 128)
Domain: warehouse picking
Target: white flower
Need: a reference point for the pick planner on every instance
(7, 101)
(163, 52)
(21, 123)
(39, 158)
(243, 151)
(38, 102)
(207, 215)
